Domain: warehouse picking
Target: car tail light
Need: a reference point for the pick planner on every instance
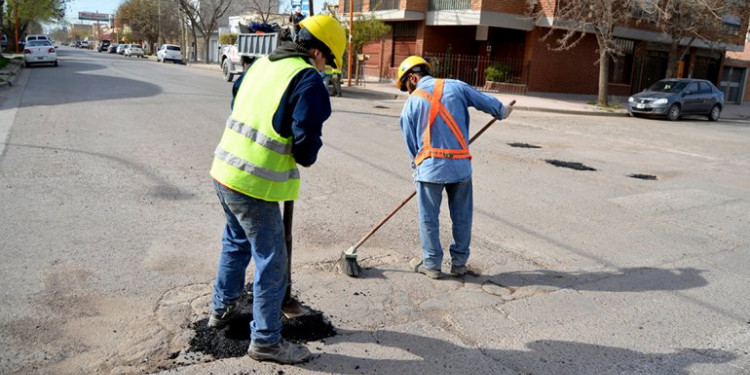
(27, 51)
(51, 50)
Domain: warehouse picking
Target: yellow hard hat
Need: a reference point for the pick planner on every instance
(329, 31)
(407, 65)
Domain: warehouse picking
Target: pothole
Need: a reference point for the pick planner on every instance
(233, 340)
(523, 145)
(570, 164)
(643, 176)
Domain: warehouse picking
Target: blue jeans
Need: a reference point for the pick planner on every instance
(461, 206)
(254, 230)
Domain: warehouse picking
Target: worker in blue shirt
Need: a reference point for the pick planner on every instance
(435, 125)
(277, 116)
(295, 18)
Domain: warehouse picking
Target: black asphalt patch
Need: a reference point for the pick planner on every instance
(523, 145)
(643, 176)
(569, 164)
(233, 340)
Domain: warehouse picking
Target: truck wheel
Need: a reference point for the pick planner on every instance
(228, 76)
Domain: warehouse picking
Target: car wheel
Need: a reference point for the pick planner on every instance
(225, 71)
(673, 114)
(27, 65)
(715, 113)
(55, 62)
(163, 60)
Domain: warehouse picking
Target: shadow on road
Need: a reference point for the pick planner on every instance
(539, 357)
(89, 86)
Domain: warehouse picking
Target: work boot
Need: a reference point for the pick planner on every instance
(417, 266)
(282, 352)
(221, 320)
(458, 271)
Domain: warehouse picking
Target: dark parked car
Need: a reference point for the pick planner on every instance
(112, 48)
(103, 46)
(676, 97)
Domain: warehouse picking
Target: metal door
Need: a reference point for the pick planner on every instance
(732, 84)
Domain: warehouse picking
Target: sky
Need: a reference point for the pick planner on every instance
(110, 6)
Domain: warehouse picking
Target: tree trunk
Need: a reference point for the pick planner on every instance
(603, 78)
(207, 41)
(673, 61)
(2, 5)
(193, 54)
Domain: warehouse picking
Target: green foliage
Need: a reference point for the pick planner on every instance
(367, 28)
(30, 13)
(497, 73)
(3, 62)
(227, 38)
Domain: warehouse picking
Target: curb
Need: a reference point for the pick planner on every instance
(571, 112)
(12, 72)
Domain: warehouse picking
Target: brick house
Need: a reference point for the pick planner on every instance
(734, 82)
(464, 37)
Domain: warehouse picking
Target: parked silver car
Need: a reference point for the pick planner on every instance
(676, 97)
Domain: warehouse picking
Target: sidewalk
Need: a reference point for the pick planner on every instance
(561, 103)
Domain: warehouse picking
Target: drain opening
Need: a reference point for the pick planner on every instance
(233, 340)
(381, 107)
(643, 176)
(523, 145)
(569, 164)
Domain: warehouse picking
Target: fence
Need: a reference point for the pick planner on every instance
(449, 4)
(376, 5)
(508, 73)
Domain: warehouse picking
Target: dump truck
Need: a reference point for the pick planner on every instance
(246, 48)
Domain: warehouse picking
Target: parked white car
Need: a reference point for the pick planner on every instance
(169, 52)
(36, 37)
(39, 52)
(85, 44)
(133, 50)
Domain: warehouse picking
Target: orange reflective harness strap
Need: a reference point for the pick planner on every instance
(438, 108)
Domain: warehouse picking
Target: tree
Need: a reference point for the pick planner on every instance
(263, 8)
(367, 28)
(690, 20)
(204, 16)
(150, 19)
(364, 29)
(30, 13)
(576, 19)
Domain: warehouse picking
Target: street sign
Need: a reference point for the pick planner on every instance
(90, 16)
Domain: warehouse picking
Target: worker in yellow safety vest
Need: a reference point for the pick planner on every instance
(333, 77)
(276, 122)
(435, 124)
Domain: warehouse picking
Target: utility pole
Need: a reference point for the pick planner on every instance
(349, 59)
(16, 36)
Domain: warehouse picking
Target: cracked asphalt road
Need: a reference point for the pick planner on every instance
(111, 232)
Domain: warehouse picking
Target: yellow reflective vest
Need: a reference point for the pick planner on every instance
(252, 158)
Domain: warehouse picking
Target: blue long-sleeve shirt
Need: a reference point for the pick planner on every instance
(304, 107)
(457, 97)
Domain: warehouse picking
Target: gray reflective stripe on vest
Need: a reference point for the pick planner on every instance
(258, 137)
(253, 169)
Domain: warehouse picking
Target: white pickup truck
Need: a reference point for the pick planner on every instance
(247, 47)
